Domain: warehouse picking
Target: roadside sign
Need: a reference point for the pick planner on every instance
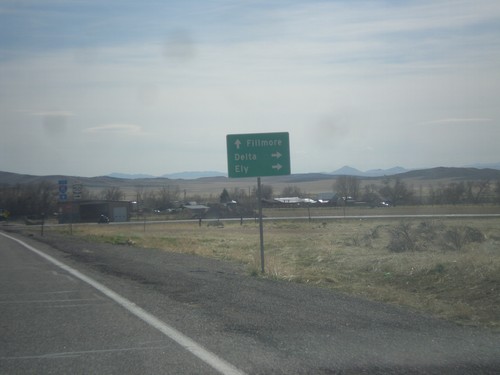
(63, 190)
(257, 155)
(77, 191)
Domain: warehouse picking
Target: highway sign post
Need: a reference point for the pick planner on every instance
(77, 191)
(63, 190)
(257, 155)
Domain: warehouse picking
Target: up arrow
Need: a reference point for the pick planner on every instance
(277, 166)
(276, 155)
(237, 143)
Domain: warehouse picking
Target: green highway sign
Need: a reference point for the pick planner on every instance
(257, 155)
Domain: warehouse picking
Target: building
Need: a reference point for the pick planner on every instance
(295, 200)
(89, 211)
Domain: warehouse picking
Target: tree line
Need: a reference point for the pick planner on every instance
(391, 189)
(398, 192)
(42, 197)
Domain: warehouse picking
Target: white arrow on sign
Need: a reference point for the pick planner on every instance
(277, 166)
(237, 143)
(276, 155)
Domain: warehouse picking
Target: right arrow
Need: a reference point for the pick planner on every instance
(277, 166)
(276, 155)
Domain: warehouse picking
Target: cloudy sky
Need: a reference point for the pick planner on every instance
(90, 87)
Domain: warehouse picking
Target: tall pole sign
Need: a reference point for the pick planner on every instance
(257, 155)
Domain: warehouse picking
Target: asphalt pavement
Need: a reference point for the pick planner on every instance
(53, 322)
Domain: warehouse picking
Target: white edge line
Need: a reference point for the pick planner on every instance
(187, 343)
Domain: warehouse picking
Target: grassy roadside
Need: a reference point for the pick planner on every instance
(446, 267)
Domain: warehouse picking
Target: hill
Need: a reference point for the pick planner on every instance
(460, 174)
(194, 175)
(349, 171)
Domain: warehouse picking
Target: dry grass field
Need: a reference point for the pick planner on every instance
(447, 267)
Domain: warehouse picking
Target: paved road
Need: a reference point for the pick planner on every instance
(278, 218)
(53, 322)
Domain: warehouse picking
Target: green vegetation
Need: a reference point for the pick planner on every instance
(447, 267)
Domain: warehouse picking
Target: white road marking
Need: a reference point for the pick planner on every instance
(49, 300)
(55, 273)
(83, 352)
(39, 294)
(187, 343)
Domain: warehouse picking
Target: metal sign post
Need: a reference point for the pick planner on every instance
(261, 225)
(257, 155)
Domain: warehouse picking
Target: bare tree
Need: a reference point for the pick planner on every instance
(139, 193)
(497, 192)
(476, 190)
(371, 195)
(45, 192)
(167, 196)
(29, 199)
(267, 191)
(89, 195)
(292, 191)
(347, 186)
(113, 194)
(454, 192)
(396, 191)
(239, 194)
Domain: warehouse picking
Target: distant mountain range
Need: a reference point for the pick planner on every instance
(174, 176)
(344, 171)
(484, 166)
(349, 171)
(194, 175)
(195, 179)
(128, 176)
